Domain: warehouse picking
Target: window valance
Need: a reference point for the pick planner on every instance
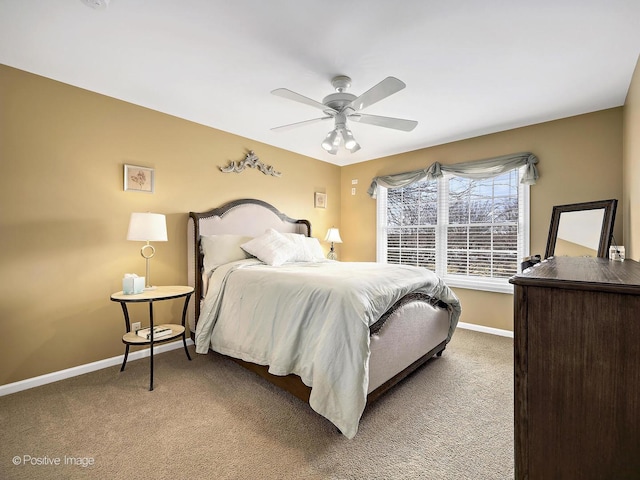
(487, 168)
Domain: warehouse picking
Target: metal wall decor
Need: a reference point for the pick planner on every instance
(250, 161)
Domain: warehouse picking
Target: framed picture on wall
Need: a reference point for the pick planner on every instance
(320, 200)
(138, 179)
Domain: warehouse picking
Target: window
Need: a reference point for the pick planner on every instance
(471, 232)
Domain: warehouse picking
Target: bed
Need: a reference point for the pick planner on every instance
(331, 333)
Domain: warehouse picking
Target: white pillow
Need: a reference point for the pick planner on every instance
(313, 244)
(307, 249)
(271, 247)
(221, 249)
(301, 252)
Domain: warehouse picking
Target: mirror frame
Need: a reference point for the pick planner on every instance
(606, 232)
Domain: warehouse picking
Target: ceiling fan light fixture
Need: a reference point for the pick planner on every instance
(340, 136)
(331, 142)
(349, 140)
(333, 151)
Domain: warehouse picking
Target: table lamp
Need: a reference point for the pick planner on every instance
(147, 227)
(333, 236)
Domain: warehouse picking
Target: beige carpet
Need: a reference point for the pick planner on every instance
(209, 418)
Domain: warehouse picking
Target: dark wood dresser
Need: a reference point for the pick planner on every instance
(577, 370)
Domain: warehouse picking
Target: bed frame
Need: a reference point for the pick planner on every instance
(415, 329)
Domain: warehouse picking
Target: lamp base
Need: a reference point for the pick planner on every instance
(332, 255)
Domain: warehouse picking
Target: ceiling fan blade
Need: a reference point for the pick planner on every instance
(382, 90)
(299, 124)
(387, 122)
(296, 97)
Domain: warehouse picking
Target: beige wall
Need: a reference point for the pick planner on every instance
(64, 213)
(631, 168)
(580, 160)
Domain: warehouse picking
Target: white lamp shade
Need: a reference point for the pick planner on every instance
(147, 227)
(333, 235)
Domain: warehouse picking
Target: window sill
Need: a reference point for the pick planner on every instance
(479, 284)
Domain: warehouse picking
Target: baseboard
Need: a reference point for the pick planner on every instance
(89, 367)
(110, 362)
(483, 329)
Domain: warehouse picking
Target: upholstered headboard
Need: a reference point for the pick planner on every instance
(249, 217)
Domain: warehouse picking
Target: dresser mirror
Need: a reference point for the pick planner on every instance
(581, 229)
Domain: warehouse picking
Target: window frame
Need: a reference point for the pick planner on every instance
(500, 285)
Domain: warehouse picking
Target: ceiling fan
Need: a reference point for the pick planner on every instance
(342, 105)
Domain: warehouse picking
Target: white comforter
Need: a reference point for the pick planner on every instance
(310, 319)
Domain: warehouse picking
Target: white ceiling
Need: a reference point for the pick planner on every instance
(471, 66)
